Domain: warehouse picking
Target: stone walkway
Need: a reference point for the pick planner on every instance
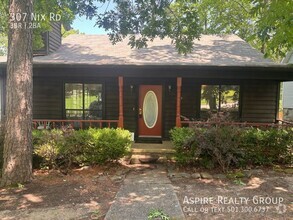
(142, 192)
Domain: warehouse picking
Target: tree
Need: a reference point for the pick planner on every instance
(265, 24)
(273, 33)
(64, 8)
(17, 164)
(144, 20)
(65, 33)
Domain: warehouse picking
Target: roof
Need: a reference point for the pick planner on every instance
(211, 50)
(289, 58)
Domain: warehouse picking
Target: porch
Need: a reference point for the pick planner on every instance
(172, 102)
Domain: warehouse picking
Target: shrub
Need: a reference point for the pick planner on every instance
(74, 147)
(265, 147)
(229, 146)
(62, 148)
(107, 145)
(218, 145)
(184, 150)
(47, 145)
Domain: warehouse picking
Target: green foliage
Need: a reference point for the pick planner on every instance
(158, 214)
(107, 144)
(66, 9)
(265, 147)
(179, 136)
(3, 17)
(266, 25)
(184, 153)
(229, 146)
(218, 145)
(47, 145)
(225, 17)
(273, 27)
(144, 20)
(65, 33)
(3, 44)
(62, 148)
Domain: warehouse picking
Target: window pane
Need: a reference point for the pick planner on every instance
(73, 96)
(74, 114)
(229, 98)
(93, 101)
(209, 98)
(223, 98)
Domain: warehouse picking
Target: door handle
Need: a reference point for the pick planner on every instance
(140, 112)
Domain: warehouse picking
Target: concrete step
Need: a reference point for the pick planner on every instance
(151, 153)
(160, 151)
(149, 159)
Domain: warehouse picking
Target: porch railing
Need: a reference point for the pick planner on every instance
(78, 124)
(240, 124)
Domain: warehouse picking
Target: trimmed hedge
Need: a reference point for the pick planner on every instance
(230, 146)
(61, 148)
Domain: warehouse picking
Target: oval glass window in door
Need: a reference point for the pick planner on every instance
(150, 109)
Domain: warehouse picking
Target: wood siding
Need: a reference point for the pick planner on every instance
(111, 98)
(259, 101)
(47, 98)
(51, 39)
(190, 100)
(54, 37)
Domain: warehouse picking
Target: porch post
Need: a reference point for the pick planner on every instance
(178, 102)
(121, 117)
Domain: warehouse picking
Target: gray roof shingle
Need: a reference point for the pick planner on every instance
(226, 50)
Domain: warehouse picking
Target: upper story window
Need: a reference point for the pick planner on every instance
(83, 101)
(219, 98)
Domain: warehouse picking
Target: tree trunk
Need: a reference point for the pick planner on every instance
(17, 166)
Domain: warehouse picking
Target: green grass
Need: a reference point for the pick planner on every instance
(75, 102)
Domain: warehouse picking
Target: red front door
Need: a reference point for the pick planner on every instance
(150, 111)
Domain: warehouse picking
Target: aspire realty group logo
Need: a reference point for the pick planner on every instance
(32, 20)
(223, 204)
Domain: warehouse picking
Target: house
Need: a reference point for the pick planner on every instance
(151, 90)
(288, 92)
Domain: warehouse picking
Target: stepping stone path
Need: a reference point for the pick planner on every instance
(141, 193)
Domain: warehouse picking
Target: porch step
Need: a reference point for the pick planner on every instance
(148, 151)
(151, 153)
(149, 140)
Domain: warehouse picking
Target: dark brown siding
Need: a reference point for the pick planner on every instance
(111, 96)
(47, 99)
(169, 106)
(51, 39)
(259, 101)
(190, 101)
(54, 35)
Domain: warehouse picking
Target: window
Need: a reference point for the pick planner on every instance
(219, 98)
(83, 101)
